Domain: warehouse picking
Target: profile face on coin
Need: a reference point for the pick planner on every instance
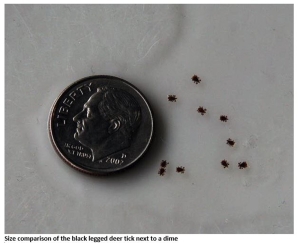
(101, 124)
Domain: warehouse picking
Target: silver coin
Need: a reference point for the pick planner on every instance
(100, 124)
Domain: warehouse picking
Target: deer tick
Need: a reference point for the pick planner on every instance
(196, 79)
(230, 142)
(180, 169)
(172, 98)
(224, 163)
(164, 163)
(223, 118)
(243, 165)
(201, 110)
(162, 171)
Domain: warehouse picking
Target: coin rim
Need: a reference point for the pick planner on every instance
(56, 148)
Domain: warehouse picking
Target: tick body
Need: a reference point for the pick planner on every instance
(162, 171)
(243, 165)
(224, 118)
(180, 169)
(230, 142)
(172, 98)
(201, 110)
(164, 163)
(196, 79)
(224, 163)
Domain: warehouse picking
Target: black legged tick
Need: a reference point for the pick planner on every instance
(172, 98)
(180, 169)
(196, 79)
(162, 171)
(201, 110)
(224, 163)
(164, 163)
(230, 142)
(223, 118)
(243, 165)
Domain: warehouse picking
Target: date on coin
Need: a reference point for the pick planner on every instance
(100, 124)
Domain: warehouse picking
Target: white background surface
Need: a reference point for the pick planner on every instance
(244, 56)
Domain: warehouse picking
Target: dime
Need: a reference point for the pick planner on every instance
(100, 124)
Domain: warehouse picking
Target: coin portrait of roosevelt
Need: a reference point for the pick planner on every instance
(108, 121)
